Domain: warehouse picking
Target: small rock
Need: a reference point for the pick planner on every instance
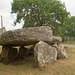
(61, 53)
(56, 39)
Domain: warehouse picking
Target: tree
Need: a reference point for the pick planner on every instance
(40, 12)
(70, 26)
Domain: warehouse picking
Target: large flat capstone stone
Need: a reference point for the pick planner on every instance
(29, 36)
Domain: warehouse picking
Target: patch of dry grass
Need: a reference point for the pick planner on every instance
(27, 66)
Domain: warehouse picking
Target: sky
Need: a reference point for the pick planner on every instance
(8, 18)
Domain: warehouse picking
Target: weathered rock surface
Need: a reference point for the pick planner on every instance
(8, 54)
(4, 54)
(61, 53)
(44, 53)
(23, 52)
(56, 39)
(28, 36)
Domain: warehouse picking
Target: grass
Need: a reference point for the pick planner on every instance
(0, 49)
(69, 42)
(27, 66)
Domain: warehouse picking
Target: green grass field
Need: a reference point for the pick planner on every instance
(69, 42)
(0, 49)
(27, 66)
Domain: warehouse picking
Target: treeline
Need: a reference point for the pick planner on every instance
(67, 30)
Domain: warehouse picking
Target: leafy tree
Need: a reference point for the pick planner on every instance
(70, 26)
(40, 12)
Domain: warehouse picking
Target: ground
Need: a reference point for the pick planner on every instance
(28, 66)
(69, 42)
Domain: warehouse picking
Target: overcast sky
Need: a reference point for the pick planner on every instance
(8, 18)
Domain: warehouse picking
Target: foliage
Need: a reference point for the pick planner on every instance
(70, 26)
(67, 30)
(40, 12)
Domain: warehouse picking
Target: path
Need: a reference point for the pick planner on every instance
(69, 45)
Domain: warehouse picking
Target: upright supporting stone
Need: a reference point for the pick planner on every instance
(23, 52)
(12, 56)
(0, 57)
(61, 53)
(31, 52)
(4, 54)
(44, 53)
(8, 54)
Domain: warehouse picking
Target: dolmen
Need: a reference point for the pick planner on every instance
(44, 46)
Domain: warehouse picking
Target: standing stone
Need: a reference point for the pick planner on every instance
(23, 52)
(8, 54)
(61, 53)
(4, 54)
(12, 56)
(0, 57)
(31, 52)
(44, 53)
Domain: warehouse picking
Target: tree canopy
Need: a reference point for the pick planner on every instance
(40, 12)
(70, 26)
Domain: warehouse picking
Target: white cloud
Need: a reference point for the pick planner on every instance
(5, 11)
(70, 5)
